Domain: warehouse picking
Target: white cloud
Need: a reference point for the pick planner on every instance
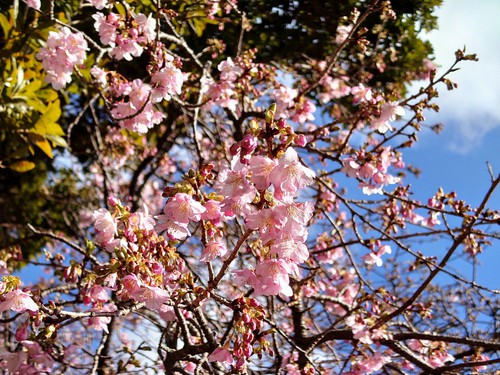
(472, 110)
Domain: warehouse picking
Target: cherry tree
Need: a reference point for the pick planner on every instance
(212, 205)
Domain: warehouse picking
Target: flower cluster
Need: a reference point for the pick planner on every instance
(374, 171)
(126, 37)
(64, 51)
(144, 267)
(132, 107)
(280, 222)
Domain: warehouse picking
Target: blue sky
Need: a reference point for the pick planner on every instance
(456, 159)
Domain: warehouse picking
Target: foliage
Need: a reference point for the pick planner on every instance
(220, 187)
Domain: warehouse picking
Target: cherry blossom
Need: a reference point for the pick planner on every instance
(18, 301)
(64, 51)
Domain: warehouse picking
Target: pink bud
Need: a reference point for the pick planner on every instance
(300, 140)
(22, 331)
(113, 201)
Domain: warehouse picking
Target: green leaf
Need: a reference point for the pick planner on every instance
(22, 166)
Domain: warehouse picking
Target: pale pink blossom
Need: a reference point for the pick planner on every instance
(182, 208)
(100, 323)
(233, 183)
(153, 296)
(213, 250)
(212, 211)
(268, 221)
(388, 113)
(64, 50)
(284, 97)
(304, 111)
(334, 88)
(105, 225)
(137, 112)
(167, 82)
(361, 94)
(290, 175)
(342, 33)
(141, 219)
(261, 168)
(18, 301)
(272, 278)
(290, 250)
(98, 4)
(229, 71)
(221, 355)
(126, 39)
(42, 360)
(35, 4)
(98, 294)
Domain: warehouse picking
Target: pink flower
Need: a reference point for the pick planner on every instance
(261, 168)
(100, 323)
(233, 183)
(142, 220)
(304, 111)
(42, 359)
(18, 301)
(126, 39)
(63, 52)
(35, 4)
(269, 223)
(98, 4)
(342, 33)
(272, 278)
(137, 112)
(182, 208)
(229, 71)
(284, 98)
(174, 230)
(290, 250)
(212, 211)
(388, 112)
(166, 82)
(152, 296)
(105, 226)
(221, 355)
(290, 175)
(213, 250)
(361, 94)
(98, 294)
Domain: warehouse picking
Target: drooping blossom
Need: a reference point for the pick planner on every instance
(261, 168)
(105, 225)
(272, 278)
(268, 222)
(100, 323)
(290, 175)
(18, 301)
